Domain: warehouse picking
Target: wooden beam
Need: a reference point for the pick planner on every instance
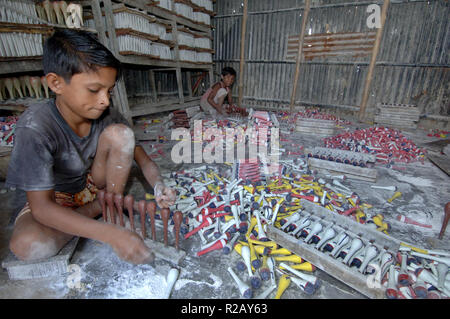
(299, 53)
(373, 59)
(120, 98)
(242, 62)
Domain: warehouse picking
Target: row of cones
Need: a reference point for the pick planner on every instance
(113, 205)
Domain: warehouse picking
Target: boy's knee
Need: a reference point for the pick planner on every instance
(29, 247)
(120, 136)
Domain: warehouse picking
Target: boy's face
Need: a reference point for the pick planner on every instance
(87, 95)
(228, 79)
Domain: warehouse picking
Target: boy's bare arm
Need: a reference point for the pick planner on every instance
(128, 245)
(211, 96)
(148, 167)
(165, 196)
(230, 98)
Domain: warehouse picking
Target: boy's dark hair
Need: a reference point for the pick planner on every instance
(228, 70)
(68, 52)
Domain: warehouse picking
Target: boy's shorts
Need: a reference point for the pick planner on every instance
(87, 195)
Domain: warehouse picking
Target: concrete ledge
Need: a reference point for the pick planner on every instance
(40, 268)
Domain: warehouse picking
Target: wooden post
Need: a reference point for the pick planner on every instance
(241, 66)
(178, 67)
(120, 98)
(153, 85)
(375, 50)
(299, 53)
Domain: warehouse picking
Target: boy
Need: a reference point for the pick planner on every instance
(73, 145)
(213, 99)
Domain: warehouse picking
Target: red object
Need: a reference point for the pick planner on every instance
(151, 211)
(312, 198)
(350, 211)
(177, 219)
(407, 220)
(118, 201)
(165, 214)
(101, 198)
(217, 245)
(141, 208)
(446, 218)
(206, 222)
(109, 197)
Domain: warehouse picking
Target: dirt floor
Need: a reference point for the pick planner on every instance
(425, 190)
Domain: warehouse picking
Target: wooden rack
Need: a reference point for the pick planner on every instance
(102, 13)
(171, 21)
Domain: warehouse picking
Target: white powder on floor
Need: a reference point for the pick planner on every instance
(217, 282)
(133, 284)
(417, 181)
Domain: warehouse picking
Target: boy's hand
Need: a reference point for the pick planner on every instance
(164, 196)
(130, 247)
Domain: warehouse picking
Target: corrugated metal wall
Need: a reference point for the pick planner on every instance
(412, 65)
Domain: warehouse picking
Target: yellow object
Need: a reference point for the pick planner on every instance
(253, 222)
(396, 195)
(305, 266)
(291, 258)
(218, 177)
(270, 244)
(359, 214)
(378, 219)
(260, 188)
(283, 284)
(351, 202)
(419, 250)
(280, 251)
(250, 189)
(149, 196)
(238, 248)
(228, 217)
(259, 249)
(264, 262)
(253, 256)
(382, 226)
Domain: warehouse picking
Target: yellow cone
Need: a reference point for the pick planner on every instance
(270, 244)
(283, 284)
(280, 251)
(396, 195)
(291, 258)
(305, 266)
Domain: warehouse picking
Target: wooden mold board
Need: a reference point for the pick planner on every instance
(316, 123)
(40, 268)
(335, 267)
(315, 130)
(441, 161)
(354, 172)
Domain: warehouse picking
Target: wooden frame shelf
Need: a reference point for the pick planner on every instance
(102, 12)
(108, 34)
(151, 7)
(128, 57)
(195, 7)
(162, 106)
(20, 65)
